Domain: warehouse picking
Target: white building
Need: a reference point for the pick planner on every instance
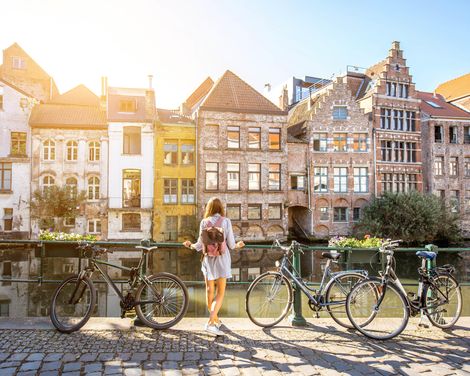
(131, 115)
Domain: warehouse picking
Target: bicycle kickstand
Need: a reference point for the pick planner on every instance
(424, 321)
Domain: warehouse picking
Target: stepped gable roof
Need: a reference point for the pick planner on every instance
(77, 108)
(79, 95)
(201, 91)
(232, 94)
(454, 89)
(297, 132)
(172, 117)
(436, 106)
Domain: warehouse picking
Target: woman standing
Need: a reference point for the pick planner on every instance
(216, 269)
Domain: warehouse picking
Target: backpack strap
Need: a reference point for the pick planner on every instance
(218, 223)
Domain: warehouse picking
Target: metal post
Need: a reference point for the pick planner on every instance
(296, 317)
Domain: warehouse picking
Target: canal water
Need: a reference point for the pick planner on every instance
(29, 280)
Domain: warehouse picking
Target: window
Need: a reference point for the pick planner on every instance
(394, 89)
(467, 201)
(130, 222)
(466, 167)
(94, 226)
(320, 179)
(340, 142)
(403, 90)
(170, 153)
(412, 182)
(233, 137)
(466, 135)
(399, 151)
(235, 274)
(274, 177)
(253, 273)
(18, 143)
(361, 179)
(340, 179)
(93, 188)
(400, 183)
(6, 272)
(274, 139)
(254, 176)
(340, 214)
(47, 183)
(5, 176)
(453, 166)
(297, 182)
(439, 166)
(233, 212)
(356, 214)
(324, 213)
(94, 151)
(170, 191)
(171, 228)
(131, 140)
(72, 150)
(411, 151)
(72, 187)
(441, 193)
(386, 149)
(397, 120)
(254, 138)
(7, 219)
(410, 121)
(391, 89)
(212, 176)
(320, 142)
(433, 104)
(187, 154)
(18, 63)
(187, 223)
(233, 176)
(340, 112)
(4, 308)
(69, 222)
(274, 211)
(387, 183)
(360, 142)
(254, 211)
(131, 189)
(48, 150)
(453, 135)
(187, 191)
(438, 136)
(127, 106)
(454, 201)
(385, 118)
(1, 98)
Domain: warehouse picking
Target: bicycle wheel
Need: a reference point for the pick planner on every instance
(72, 304)
(443, 301)
(268, 299)
(164, 301)
(384, 303)
(335, 296)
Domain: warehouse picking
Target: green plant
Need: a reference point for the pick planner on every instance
(351, 242)
(57, 235)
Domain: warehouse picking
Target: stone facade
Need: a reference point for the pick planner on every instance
(213, 148)
(340, 169)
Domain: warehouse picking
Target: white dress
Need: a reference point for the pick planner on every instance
(220, 266)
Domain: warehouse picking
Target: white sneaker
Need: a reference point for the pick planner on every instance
(218, 324)
(214, 330)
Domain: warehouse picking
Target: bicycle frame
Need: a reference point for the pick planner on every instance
(284, 270)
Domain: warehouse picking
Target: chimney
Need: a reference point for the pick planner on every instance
(150, 81)
(104, 93)
(150, 106)
(284, 98)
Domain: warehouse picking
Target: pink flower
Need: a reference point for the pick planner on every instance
(366, 236)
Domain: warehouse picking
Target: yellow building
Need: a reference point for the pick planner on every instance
(174, 216)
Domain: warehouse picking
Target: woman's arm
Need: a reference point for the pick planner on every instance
(198, 245)
(229, 237)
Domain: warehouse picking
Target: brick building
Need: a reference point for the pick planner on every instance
(70, 148)
(387, 94)
(242, 157)
(338, 177)
(446, 153)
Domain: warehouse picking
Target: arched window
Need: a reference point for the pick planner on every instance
(72, 150)
(94, 151)
(48, 150)
(47, 182)
(71, 184)
(93, 188)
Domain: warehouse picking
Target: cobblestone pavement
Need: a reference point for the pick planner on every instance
(319, 349)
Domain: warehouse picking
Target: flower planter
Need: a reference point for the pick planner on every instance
(59, 249)
(362, 256)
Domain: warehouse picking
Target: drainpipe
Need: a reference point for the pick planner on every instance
(196, 148)
(375, 160)
(309, 160)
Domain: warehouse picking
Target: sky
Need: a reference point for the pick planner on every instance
(182, 42)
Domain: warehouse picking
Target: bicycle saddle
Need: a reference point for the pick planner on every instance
(148, 249)
(426, 254)
(331, 256)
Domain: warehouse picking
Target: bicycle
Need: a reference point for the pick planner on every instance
(270, 296)
(160, 301)
(439, 297)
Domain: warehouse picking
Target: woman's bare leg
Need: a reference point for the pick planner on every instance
(210, 291)
(219, 298)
